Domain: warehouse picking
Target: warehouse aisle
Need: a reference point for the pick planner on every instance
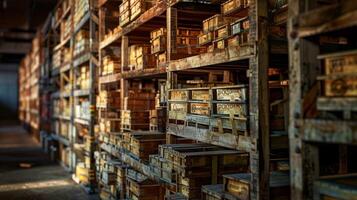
(42, 180)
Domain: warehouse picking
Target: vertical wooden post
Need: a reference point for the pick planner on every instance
(259, 115)
(302, 68)
(124, 63)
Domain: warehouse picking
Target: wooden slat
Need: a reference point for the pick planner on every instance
(330, 131)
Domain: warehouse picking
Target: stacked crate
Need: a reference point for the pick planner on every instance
(82, 42)
(129, 10)
(219, 109)
(223, 30)
(189, 166)
(186, 44)
(140, 187)
(83, 78)
(137, 105)
(110, 65)
(158, 119)
(140, 57)
(111, 174)
(158, 45)
(81, 8)
(109, 99)
(144, 143)
(82, 109)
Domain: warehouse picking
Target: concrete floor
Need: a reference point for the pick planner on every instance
(44, 180)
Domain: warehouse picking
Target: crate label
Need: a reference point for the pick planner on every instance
(178, 95)
(231, 109)
(200, 95)
(231, 94)
(200, 108)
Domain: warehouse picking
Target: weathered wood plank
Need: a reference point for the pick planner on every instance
(330, 131)
(213, 58)
(328, 18)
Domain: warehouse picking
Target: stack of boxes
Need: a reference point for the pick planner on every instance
(137, 105)
(158, 45)
(81, 42)
(83, 79)
(186, 44)
(131, 9)
(81, 7)
(111, 65)
(109, 99)
(190, 166)
(221, 30)
(140, 57)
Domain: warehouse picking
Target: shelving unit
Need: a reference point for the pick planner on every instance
(243, 71)
(29, 88)
(322, 99)
(74, 75)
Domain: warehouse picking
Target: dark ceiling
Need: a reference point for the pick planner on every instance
(19, 20)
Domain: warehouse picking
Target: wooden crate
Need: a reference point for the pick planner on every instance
(199, 94)
(143, 144)
(199, 108)
(178, 95)
(232, 6)
(237, 185)
(230, 101)
(212, 192)
(220, 44)
(135, 120)
(205, 38)
(222, 32)
(111, 65)
(124, 18)
(190, 159)
(191, 166)
(144, 62)
(137, 7)
(157, 33)
(240, 25)
(233, 41)
(161, 59)
(158, 44)
(158, 119)
(340, 74)
(109, 125)
(143, 189)
(214, 22)
(177, 111)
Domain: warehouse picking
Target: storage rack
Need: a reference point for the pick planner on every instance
(29, 88)
(61, 78)
(322, 126)
(74, 26)
(254, 57)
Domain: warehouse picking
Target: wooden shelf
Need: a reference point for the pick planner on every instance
(339, 187)
(154, 72)
(337, 103)
(330, 131)
(108, 41)
(213, 58)
(328, 18)
(81, 121)
(110, 78)
(220, 139)
(78, 93)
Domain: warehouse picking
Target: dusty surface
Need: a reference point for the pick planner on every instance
(44, 180)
